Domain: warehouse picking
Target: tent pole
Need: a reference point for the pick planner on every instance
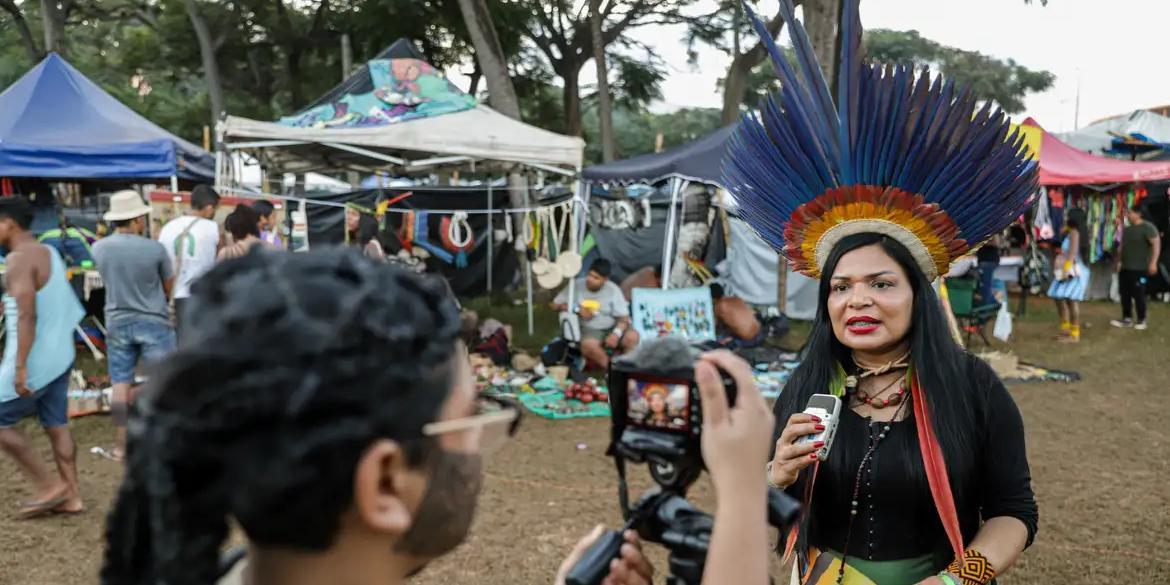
(782, 286)
(174, 183)
(527, 266)
(491, 228)
(676, 186)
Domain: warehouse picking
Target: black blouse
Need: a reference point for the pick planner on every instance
(896, 516)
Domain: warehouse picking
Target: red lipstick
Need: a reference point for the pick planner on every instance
(862, 325)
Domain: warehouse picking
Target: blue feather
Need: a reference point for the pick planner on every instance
(891, 126)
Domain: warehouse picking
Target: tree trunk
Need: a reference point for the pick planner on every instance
(26, 35)
(210, 64)
(572, 101)
(604, 101)
(741, 67)
(734, 86)
(53, 22)
(821, 19)
(490, 56)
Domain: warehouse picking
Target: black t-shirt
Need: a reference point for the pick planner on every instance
(896, 516)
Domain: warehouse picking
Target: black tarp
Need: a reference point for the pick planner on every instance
(327, 227)
(699, 160)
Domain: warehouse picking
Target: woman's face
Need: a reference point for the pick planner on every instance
(657, 403)
(353, 219)
(870, 301)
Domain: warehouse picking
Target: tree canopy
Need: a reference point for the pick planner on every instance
(275, 56)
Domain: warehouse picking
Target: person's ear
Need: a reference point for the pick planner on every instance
(384, 487)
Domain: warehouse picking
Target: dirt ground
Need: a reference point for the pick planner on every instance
(1098, 448)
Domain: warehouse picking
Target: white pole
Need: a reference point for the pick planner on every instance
(174, 183)
(491, 228)
(676, 186)
(527, 265)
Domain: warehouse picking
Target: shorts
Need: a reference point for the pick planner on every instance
(51, 404)
(598, 334)
(130, 342)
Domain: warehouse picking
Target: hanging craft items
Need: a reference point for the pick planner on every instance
(541, 264)
(553, 277)
(569, 260)
(457, 237)
(421, 238)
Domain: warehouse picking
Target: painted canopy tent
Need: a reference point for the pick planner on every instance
(399, 114)
(750, 265)
(1097, 188)
(56, 123)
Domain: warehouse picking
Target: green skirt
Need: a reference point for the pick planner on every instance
(826, 567)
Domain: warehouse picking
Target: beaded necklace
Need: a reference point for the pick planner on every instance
(865, 470)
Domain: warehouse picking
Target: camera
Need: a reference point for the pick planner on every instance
(657, 419)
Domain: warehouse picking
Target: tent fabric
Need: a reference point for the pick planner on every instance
(1061, 164)
(751, 271)
(397, 104)
(699, 160)
(480, 133)
(55, 122)
(1101, 136)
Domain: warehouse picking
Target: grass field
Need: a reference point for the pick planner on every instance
(1099, 450)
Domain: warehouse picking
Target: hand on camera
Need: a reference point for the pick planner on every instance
(790, 457)
(735, 439)
(630, 568)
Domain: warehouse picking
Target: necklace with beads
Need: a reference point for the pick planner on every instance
(875, 399)
(865, 470)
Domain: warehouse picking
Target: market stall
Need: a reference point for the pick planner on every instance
(751, 269)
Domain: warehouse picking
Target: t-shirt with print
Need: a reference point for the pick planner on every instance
(133, 269)
(198, 249)
(613, 303)
(1136, 249)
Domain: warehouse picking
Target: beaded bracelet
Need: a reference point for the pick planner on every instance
(949, 578)
(974, 570)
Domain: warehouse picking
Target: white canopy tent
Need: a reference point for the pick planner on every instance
(459, 138)
(1099, 137)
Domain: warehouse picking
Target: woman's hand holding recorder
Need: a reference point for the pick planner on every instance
(792, 456)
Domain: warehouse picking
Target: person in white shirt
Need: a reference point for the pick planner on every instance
(191, 242)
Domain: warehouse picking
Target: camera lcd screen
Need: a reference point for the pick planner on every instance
(657, 404)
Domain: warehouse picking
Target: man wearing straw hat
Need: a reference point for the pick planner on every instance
(138, 277)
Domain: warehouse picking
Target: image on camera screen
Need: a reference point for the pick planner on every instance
(659, 405)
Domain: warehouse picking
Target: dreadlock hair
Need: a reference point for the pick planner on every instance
(264, 411)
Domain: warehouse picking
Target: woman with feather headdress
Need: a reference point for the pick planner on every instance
(875, 194)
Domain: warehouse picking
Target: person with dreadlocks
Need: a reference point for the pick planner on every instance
(335, 421)
(927, 480)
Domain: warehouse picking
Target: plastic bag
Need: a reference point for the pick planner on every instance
(1003, 323)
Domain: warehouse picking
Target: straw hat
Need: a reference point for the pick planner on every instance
(126, 205)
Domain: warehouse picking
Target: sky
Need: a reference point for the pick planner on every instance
(1110, 48)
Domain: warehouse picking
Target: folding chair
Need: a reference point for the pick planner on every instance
(971, 318)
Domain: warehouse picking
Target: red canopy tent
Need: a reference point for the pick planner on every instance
(1061, 164)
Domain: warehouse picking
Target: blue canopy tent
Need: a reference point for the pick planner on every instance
(56, 123)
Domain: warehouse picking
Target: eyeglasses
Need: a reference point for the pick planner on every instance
(494, 422)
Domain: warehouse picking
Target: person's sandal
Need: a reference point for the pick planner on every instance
(39, 509)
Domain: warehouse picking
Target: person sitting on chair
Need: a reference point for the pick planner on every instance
(604, 313)
(735, 321)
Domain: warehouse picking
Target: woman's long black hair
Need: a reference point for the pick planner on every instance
(292, 366)
(941, 364)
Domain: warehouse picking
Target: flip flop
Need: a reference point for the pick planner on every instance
(40, 509)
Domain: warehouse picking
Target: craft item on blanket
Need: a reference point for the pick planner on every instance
(686, 312)
(553, 405)
(586, 392)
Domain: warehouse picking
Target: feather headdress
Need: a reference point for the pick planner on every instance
(900, 153)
